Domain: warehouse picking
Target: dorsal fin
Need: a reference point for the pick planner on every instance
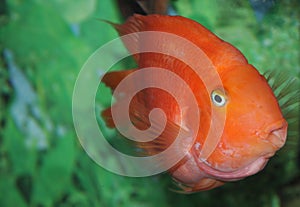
(221, 53)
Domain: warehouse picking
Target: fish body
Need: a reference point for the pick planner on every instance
(254, 128)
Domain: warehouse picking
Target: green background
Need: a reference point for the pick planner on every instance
(43, 46)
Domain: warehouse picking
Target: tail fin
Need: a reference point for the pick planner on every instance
(112, 79)
(143, 7)
(154, 6)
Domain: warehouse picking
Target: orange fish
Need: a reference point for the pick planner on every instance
(254, 127)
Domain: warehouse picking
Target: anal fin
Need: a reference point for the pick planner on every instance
(112, 80)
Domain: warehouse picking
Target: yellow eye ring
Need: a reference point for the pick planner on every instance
(218, 98)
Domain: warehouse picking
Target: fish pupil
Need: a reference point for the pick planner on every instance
(218, 98)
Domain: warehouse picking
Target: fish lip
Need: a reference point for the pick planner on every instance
(277, 133)
(276, 125)
(251, 169)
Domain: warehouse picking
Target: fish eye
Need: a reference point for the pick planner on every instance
(218, 98)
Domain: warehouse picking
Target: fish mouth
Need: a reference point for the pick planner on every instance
(252, 168)
(275, 135)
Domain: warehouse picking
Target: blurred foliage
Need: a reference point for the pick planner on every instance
(49, 41)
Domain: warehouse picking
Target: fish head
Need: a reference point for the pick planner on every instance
(254, 128)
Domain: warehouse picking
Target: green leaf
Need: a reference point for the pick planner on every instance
(23, 159)
(9, 195)
(75, 11)
(54, 177)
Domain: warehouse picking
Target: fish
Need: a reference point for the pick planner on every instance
(254, 128)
